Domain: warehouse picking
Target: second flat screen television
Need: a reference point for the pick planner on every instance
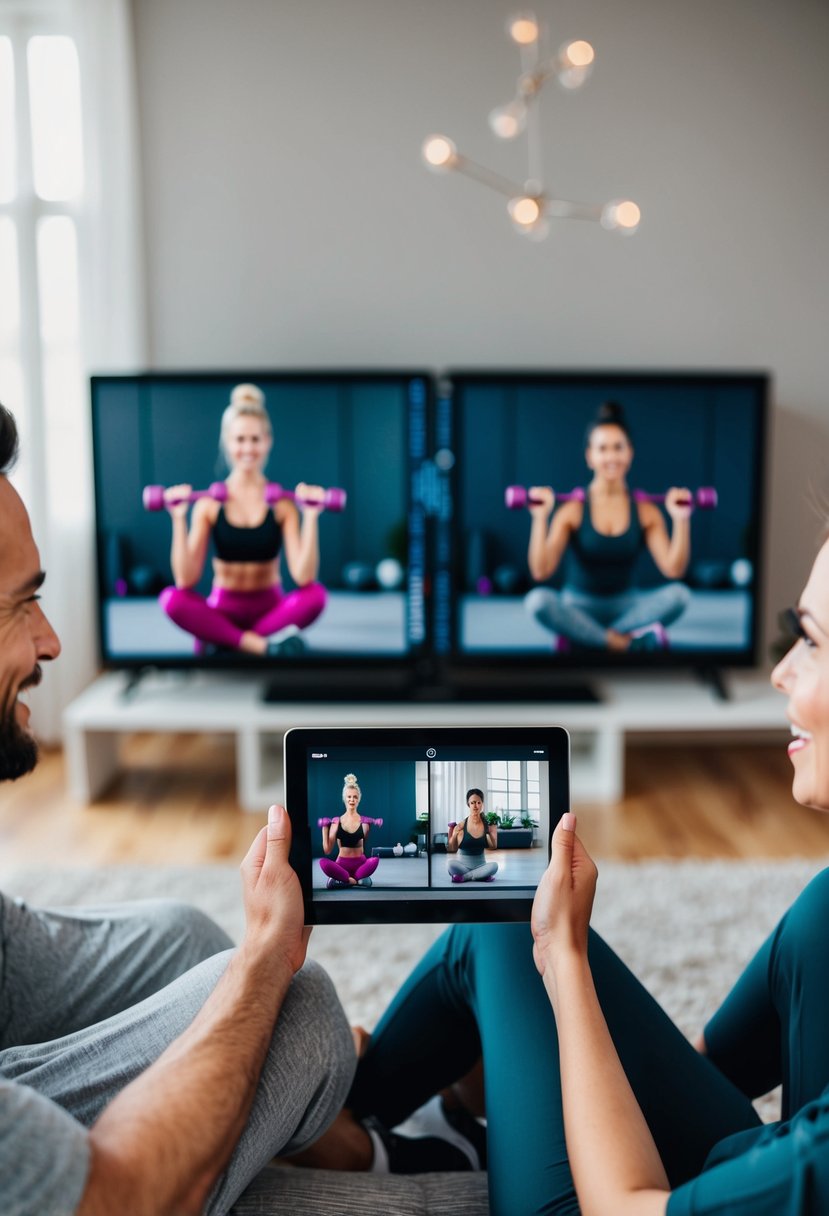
(507, 433)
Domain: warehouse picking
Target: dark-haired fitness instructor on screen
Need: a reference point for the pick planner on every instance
(598, 607)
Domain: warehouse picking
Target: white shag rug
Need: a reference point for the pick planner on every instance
(686, 928)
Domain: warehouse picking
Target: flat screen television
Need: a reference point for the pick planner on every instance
(364, 433)
(498, 434)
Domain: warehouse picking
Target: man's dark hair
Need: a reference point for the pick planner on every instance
(8, 440)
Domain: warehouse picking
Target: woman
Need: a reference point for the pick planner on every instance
(350, 832)
(620, 1115)
(604, 536)
(247, 608)
(467, 842)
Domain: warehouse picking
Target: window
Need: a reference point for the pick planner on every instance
(8, 184)
(55, 110)
(41, 185)
(514, 785)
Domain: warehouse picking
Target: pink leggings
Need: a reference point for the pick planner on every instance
(225, 615)
(349, 867)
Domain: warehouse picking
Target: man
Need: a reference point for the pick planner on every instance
(145, 1067)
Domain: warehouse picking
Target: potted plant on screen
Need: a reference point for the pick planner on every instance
(527, 821)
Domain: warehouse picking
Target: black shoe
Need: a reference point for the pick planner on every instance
(428, 1142)
(467, 1125)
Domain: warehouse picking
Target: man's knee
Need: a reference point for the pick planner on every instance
(312, 1040)
(174, 922)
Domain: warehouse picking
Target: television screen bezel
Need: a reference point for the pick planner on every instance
(393, 674)
(510, 669)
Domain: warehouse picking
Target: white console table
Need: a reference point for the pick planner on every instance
(231, 704)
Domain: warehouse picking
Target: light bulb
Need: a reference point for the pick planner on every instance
(439, 153)
(621, 215)
(523, 28)
(508, 121)
(575, 63)
(578, 54)
(524, 211)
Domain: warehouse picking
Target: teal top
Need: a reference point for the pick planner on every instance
(599, 564)
(472, 846)
(779, 1169)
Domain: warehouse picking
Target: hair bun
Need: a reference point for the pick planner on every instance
(350, 779)
(247, 395)
(610, 411)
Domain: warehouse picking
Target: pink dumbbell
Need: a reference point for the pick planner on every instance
(705, 498)
(517, 497)
(327, 823)
(376, 823)
(332, 500)
(153, 496)
(452, 827)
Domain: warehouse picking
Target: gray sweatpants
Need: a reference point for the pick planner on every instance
(89, 998)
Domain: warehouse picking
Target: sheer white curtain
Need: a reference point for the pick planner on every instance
(71, 285)
(450, 780)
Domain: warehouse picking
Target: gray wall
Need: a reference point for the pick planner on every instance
(289, 220)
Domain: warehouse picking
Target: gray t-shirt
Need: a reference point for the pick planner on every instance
(44, 1154)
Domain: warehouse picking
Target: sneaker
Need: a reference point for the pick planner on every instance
(363, 882)
(651, 637)
(208, 650)
(422, 1152)
(288, 643)
(562, 645)
(334, 884)
(472, 1129)
(454, 1127)
(458, 878)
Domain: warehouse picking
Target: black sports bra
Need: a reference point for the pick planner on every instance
(259, 544)
(351, 840)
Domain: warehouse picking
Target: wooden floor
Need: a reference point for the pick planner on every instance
(176, 804)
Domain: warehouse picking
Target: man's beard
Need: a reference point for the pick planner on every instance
(18, 748)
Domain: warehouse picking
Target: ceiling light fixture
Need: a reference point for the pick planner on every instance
(530, 206)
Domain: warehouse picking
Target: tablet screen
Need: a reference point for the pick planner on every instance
(413, 824)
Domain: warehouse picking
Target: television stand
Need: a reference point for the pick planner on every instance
(231, 703)
(713, 676)
(344, 686)
(554, 692)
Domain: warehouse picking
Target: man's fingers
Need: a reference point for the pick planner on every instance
(256, 853)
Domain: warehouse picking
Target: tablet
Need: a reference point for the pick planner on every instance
(419, 824)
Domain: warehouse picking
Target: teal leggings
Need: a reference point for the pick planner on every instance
(476, 992)
(773, 1027)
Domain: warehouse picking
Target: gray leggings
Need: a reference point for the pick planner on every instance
(585, 619)
(89, 998)
(471, 869)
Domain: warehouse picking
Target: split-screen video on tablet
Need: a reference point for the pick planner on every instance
(419, 824)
